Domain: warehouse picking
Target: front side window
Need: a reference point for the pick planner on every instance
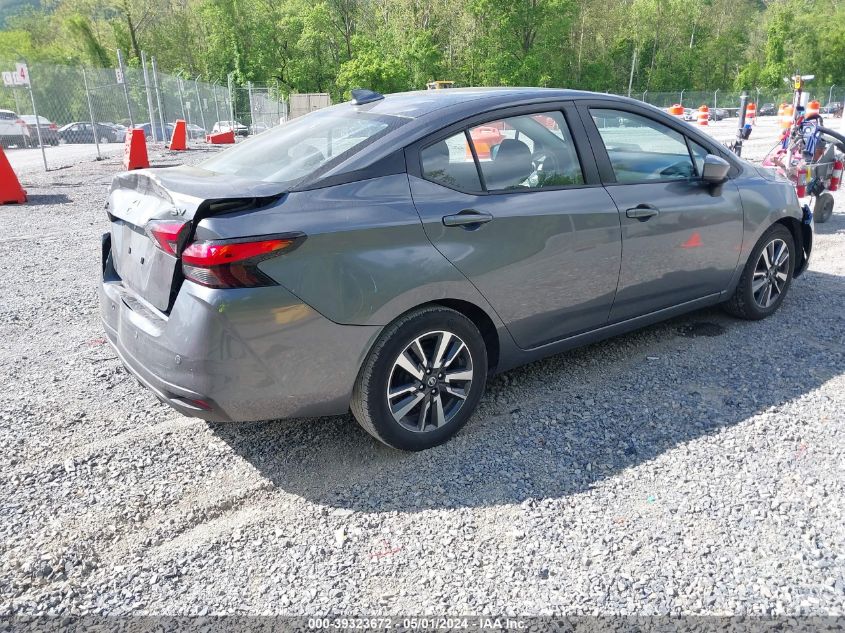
(304, 147)
(641, 149)
(530, 151)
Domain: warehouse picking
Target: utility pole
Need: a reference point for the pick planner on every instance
(158, 96)
(125, 82)
(149, 97)
(91, 113)
(232, 100)
(249, 93)
(631, 77)
(740, 128)
(181, 99)
(199, 101)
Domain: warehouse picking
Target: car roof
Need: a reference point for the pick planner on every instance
(421, 102)
(431, 110)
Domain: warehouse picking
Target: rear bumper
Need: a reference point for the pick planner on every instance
(235, 355)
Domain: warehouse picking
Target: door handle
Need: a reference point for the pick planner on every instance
(466, 217)
(642, 212)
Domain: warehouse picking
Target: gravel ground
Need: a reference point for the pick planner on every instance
(693, 467)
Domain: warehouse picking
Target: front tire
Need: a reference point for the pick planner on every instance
(422, 380)
(766, 277)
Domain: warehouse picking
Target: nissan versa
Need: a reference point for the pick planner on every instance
(389, 254)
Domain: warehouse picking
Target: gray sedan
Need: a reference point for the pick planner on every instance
(388, 255)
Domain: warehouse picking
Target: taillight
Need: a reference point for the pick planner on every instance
(233, 263)
(166, 234)
(53, 126)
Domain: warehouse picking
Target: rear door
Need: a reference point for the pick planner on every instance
(517, 207)
(681, 237)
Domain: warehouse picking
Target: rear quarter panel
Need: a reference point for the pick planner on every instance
(366, 258)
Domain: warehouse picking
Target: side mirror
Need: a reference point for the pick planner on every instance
(715, 169)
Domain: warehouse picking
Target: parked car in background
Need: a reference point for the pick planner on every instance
(834, 108)
(224, 126)
(13, 129)
(49, 130)
(120, 130)
(82, 132)
(195, 131)
(690, 114)
(366, 257)
(717, 114)
(258, 128)
(160, 136)
(767, 109)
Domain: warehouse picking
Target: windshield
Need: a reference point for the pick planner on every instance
(305, 146)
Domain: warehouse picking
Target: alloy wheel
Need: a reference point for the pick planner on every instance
(770, 273)
(429, 381)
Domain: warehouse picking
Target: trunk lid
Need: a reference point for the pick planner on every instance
(178, 194)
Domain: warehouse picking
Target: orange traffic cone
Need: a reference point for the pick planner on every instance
(10, 187)
(220, 138)
(179, 139)
(135, 150)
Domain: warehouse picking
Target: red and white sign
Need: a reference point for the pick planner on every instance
(21, 75)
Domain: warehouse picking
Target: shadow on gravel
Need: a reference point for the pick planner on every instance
(559, 426)
(39, 199)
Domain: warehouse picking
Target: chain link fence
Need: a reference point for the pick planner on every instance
(729, 100)
(259, 108)
(92, 108)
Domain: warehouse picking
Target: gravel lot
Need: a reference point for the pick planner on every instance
(694, 467)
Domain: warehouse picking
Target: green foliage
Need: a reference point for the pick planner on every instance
(389, 45)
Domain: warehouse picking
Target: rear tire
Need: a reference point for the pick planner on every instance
(823, 208)
(422, 380)
(766, 277)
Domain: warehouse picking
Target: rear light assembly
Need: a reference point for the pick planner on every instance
(220, 263)
(166, 234)
(53, 126)
(234, 263)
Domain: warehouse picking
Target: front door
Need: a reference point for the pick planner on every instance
(506, 201)
(681, 237)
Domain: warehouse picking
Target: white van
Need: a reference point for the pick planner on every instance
(13, 130)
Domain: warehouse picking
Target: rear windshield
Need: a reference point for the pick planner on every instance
(305, 147)
(8, 115)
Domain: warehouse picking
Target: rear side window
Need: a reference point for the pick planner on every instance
(530, 151)
(519, 153)
(450, 163)
(641, 149)
(8, 116)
